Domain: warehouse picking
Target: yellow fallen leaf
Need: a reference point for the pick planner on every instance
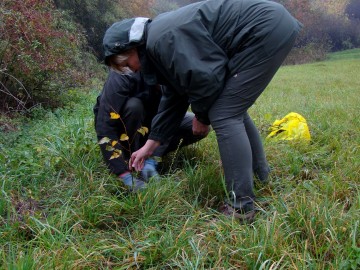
(118, 151)
(124, 137)
(113, 143)
(143, 130)
(114, 115)
(104, 140)
(114, 155)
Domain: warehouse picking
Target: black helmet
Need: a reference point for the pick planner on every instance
(124, 35)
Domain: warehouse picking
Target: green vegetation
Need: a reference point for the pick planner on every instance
(60, 209)
(42, 55)
(347, 54)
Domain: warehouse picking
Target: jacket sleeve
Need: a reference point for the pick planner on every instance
(171, 112)
(193, 63)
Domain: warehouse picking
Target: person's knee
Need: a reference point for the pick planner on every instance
(134, 108)
(220, 123)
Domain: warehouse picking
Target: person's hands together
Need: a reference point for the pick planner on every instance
(138, 158)
(200, 128)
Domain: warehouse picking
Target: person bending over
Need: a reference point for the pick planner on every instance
(219, 56)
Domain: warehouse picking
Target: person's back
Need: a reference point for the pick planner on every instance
(205, 43)
(230, 24)
(117, 89)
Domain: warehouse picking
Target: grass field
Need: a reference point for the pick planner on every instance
(60, 209)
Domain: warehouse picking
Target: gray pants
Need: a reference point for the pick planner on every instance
(239, 142)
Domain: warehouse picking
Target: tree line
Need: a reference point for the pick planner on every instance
(50, 46)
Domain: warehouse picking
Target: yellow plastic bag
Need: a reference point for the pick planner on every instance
(292, 127)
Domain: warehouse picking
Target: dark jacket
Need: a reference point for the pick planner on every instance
(192, 51)
(117, 90)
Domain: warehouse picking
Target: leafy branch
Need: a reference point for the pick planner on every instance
(110, 144)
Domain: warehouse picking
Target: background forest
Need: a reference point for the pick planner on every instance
(49, 47)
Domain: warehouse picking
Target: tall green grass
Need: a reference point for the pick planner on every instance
(60, 209)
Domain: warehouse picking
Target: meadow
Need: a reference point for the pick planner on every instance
(61, 209)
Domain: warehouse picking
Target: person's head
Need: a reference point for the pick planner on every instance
(120, 43)
(124, 62)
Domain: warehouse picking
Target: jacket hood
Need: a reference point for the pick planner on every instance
(124, 35)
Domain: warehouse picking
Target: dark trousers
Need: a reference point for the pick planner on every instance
(135, 116)
(239, 142)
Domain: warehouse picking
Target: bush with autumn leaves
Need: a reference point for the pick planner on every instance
(41, 54)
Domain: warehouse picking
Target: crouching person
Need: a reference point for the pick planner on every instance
(123, 114)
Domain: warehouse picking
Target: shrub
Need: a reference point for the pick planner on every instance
(40, 54)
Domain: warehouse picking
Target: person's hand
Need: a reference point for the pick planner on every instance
(138, 158)
(199, 128)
